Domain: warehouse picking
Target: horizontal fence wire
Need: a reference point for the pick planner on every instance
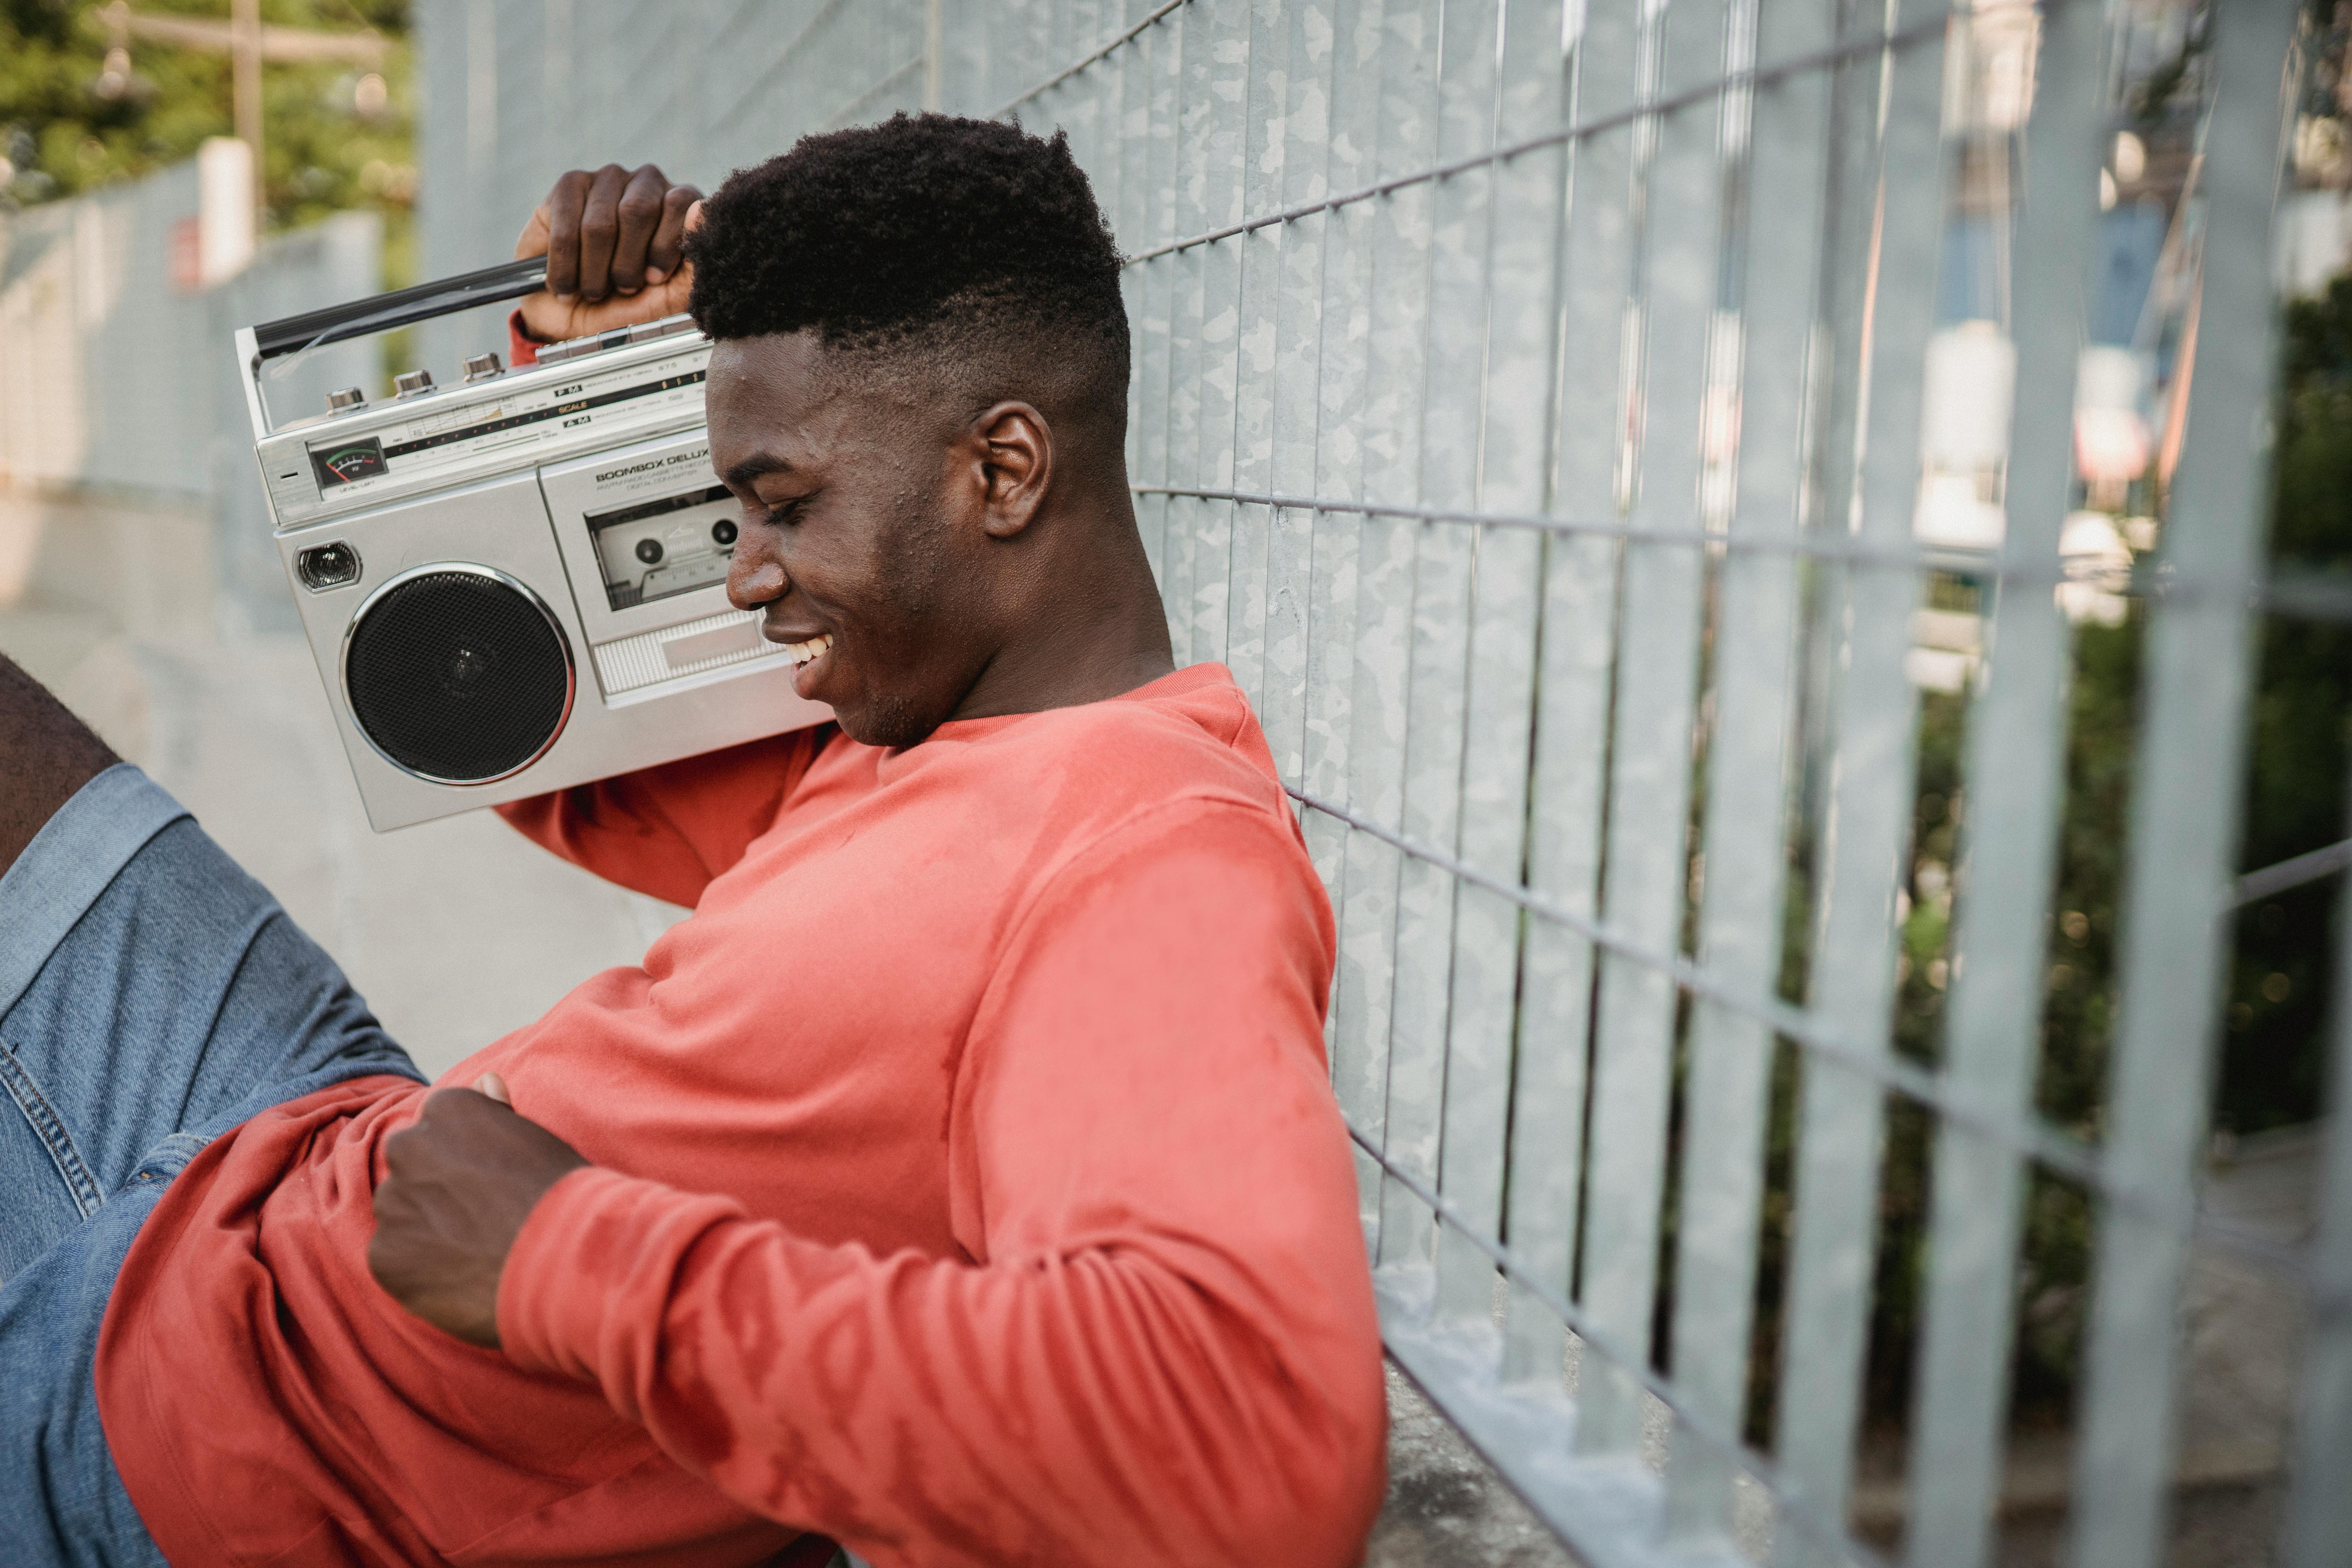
(2059, 1151)
(1656, 109)
(2307, 599)
(1104, 53)
(2256, 886)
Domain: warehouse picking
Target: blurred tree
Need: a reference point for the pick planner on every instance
(333, 139)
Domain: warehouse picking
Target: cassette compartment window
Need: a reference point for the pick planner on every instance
(657, 548)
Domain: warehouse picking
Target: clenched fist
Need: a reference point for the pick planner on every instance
(458, 1185)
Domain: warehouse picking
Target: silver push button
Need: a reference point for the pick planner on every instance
(412, 383)
(345, 398)
(481, 367)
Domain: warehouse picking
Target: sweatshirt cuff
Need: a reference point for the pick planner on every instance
(589, 1277)
(522, 349)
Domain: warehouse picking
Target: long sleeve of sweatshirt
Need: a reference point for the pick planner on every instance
(667, 831)
(1159, 1345)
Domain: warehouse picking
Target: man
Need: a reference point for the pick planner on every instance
(960, 1182)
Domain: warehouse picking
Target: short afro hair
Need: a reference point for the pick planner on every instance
(967, 245)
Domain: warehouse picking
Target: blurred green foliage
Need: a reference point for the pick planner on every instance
(63, 131)
(2282, 984)
(2280, 995)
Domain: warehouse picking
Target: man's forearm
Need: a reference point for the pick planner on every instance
(45, 754)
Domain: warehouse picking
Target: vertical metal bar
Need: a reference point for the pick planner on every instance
(1290, 621)
(2016, 782)
(1195, 104)
(1039, 42)
(1678, 194)
(1131, 223)
(1263, 144)
(1866, 836)
(1514, 449)
(1398, 308)
(1107, 168)
(1472, 644)
(2318, 1523)
(1351, 589)
(1226, 80)
(1153, 414)
(1432, 688)
(1571, 739)
(1780, 161)
(2184, 815)
(1083, 100)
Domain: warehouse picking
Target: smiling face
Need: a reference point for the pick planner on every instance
(854, 541)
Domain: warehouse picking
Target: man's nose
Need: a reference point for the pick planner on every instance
(754, 577)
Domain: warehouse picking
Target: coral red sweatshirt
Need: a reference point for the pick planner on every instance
(966, 1188)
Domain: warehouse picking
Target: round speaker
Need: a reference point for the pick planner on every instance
(457, 674)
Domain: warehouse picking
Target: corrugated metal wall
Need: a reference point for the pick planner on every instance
(1535, 405)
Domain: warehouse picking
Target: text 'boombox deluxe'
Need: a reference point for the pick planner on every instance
(516, 584)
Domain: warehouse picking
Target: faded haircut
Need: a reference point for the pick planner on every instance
(964, 255)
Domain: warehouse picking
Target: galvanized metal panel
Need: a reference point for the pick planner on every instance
(2015, 773)
(1264, 142)
(1151, 413)
(1222, 77)
(1514, 450)
(1424, 1073)
(2184, 817)
(1291, 600)
(1776, 144)
(1354, 762)
(1579, 583)
(1678, 189)
(1866, 834)
(1388, 563)
(1193, 110)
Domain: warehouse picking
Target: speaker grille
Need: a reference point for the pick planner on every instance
(457, 675)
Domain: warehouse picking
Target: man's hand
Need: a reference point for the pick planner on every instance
(614, 241)
(457, 1186)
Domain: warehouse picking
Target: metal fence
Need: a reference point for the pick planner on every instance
(116, 377)
(1538, 406)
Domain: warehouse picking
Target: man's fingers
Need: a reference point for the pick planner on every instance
(669, 239)
(641, 210)
(562, 208)
(495, 1087)
(600, 230)
(532, 240)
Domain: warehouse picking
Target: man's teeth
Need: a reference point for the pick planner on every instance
(802, 652)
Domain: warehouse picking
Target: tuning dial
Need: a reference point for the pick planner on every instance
(414, 383)
(481, 367)
(348, 397)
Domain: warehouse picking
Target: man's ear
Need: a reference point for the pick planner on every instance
(1012, 449)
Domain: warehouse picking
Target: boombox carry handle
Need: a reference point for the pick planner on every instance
(378, 314)
(401, 308)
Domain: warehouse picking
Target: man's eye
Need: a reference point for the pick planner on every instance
(780, 513)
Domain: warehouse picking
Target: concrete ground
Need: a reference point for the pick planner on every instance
(455, 931)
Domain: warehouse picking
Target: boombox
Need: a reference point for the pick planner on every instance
(517, 582)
